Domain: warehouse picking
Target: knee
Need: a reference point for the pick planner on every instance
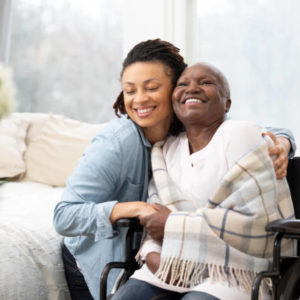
(198, 296)
(128, 291)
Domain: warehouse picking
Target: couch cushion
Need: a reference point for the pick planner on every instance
(12, 147)
(52, 155)
(36, 123)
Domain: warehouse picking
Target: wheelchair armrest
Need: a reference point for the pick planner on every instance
(289, 227)
(129, 265)
(132, 223)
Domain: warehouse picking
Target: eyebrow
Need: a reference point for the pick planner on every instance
(146, 81)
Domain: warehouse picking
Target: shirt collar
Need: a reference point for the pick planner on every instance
(145, 141)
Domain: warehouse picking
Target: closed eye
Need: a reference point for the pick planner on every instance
(129, 92)
(152, 89)
(205, 82)
(181, 84)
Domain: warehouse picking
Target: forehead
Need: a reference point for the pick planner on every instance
(199, 71)
(141, 71)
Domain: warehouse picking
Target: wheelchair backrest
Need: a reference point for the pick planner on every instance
(293, 178)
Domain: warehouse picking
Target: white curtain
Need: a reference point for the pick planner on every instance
(5, 29)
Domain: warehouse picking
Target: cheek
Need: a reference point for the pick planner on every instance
(176, 94)
(126, 102)
(167, 99)
(176, 108)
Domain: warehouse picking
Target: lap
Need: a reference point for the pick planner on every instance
(198, 296)
(135, 289)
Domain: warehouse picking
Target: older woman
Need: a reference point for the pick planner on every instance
(218, 180)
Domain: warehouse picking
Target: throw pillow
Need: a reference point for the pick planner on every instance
(52, 156)
(12, 147)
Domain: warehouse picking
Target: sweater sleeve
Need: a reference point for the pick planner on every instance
(240, 137)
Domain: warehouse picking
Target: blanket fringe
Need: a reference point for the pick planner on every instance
(187, 274)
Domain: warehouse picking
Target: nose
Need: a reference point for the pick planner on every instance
(141, 97)
(192, 88)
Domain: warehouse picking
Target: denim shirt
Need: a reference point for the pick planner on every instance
(114, 168)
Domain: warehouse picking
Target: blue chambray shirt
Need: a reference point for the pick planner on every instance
(113, 168)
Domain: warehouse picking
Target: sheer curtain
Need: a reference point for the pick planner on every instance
(257, 45)
(5, 29)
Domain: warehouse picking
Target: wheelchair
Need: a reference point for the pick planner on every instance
(284, 273)
(132, 244)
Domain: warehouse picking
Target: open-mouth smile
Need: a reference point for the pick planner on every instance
(193, 100)
(144, 111)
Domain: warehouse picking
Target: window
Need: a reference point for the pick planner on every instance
(66, 56)
(257, 45)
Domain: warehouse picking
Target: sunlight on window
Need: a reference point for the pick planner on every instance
(66, 56)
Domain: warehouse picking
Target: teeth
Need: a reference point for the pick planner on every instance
(144, 110)
(194, 101)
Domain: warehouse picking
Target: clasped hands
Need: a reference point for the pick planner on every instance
(154, 224)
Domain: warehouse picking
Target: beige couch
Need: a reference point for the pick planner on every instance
(38, 152)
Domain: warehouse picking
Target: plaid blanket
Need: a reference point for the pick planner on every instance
(225, 240)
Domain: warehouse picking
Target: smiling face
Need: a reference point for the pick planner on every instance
(201, 96)
(147, 92)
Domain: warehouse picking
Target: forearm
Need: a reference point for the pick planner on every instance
(125, 210)
(135, 209)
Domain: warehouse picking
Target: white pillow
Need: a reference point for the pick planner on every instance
(12, 147)
(52, 156)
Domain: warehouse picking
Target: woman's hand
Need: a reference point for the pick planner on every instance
(144, 210)
(155, 223)
(280, 153)
(153, 261)
(135, 209)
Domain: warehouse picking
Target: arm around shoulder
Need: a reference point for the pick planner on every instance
(286, 137)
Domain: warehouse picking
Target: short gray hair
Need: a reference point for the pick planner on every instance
(222, 77)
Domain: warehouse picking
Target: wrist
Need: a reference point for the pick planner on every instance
(125, 210)
(285, 143)
(140, 207)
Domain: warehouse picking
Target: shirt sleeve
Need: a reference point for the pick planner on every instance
(148, 246)
(87, 201)
(287, 134)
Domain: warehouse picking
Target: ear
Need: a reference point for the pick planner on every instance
(227, 105)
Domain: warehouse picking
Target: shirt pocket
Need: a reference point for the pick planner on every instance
(131, 191)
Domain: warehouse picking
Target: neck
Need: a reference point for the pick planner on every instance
(157, 134)
(199, 136)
